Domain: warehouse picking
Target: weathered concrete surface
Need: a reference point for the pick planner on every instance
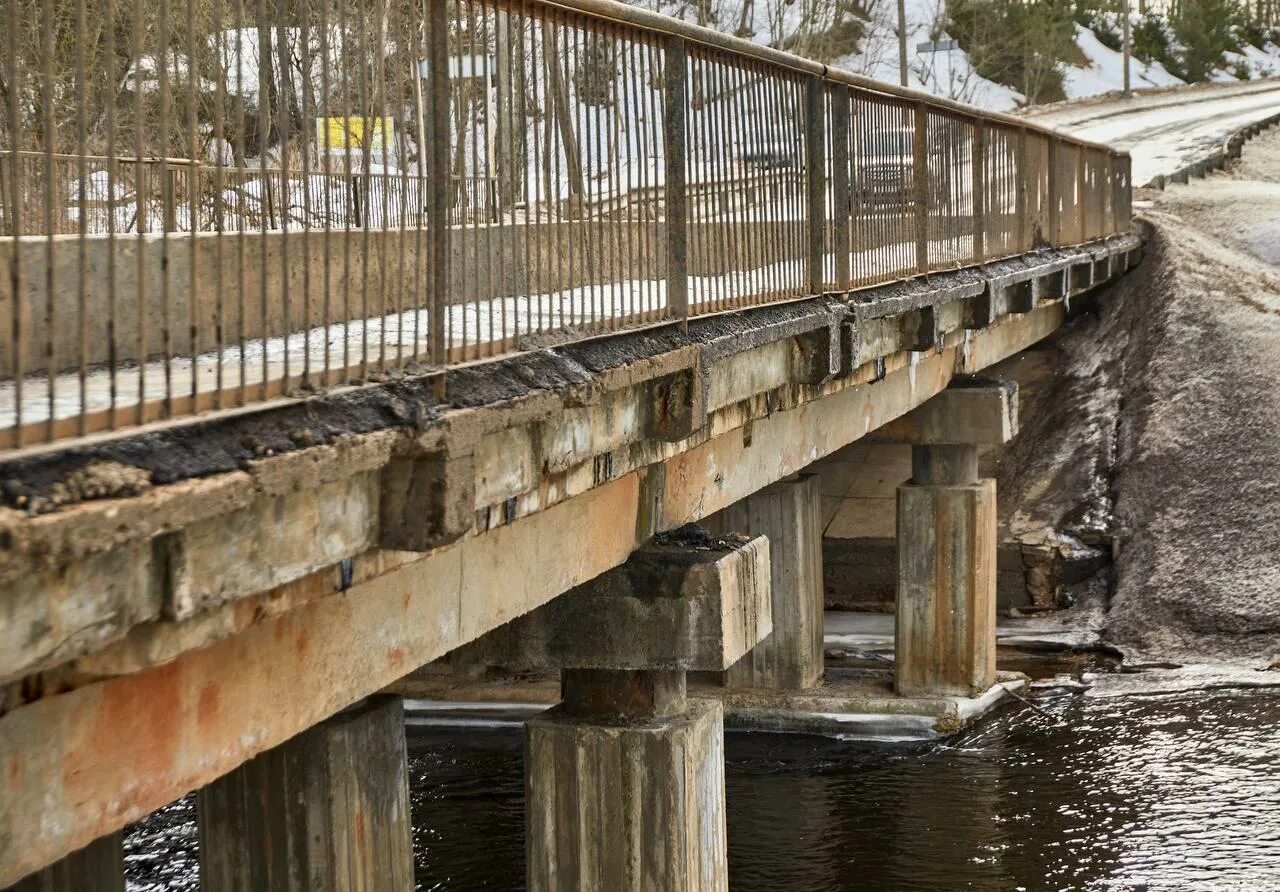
(788, 513)
(328, 809)
(946, 629)
(975, 412)
(686, 601)
(98, 867)
(626, 806)
(653, 457)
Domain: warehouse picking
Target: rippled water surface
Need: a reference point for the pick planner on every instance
(1172, 792)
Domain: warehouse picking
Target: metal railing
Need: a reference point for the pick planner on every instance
(206, 204)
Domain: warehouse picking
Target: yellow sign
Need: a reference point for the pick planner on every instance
(345, 134)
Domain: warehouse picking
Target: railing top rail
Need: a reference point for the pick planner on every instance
(658, 23)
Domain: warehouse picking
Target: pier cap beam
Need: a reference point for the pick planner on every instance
(687, 601)
(972, 411)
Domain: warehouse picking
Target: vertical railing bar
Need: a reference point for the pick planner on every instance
(702, 228)
(1022, 174)
(193, 214)
(218, 223)
(533, 168)
(1078, 230)
(82, 175)
(655, 61)
(168, 221)
(112, 180)
(920, 178)
(979, 191)
(438, 187)
(324, 176)
(17, 205)
(1054, 191)
(50, 136)
(675, 80)
(840, 126)
(815, 181)
(304, 54)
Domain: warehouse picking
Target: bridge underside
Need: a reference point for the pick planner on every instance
(284, 564)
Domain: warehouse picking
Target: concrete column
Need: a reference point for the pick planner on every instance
(625, 778)
(327, 810)
(625, 786)
(789, 513)
(946, 606)
(98, 867)
(946, 599)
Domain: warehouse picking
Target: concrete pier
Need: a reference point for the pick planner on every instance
(625, 789)
(946, 600)
(789, 514)
(326, 810)
(98, 867)
(625, 777)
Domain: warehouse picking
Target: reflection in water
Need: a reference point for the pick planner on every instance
(1162, 793)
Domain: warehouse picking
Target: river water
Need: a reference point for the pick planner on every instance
(1158, 792)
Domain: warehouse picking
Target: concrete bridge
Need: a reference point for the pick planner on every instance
(226, 587)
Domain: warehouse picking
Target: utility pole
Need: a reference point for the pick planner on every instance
(1124, 13)
(902, 42)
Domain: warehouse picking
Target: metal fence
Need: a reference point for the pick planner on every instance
(206, 204)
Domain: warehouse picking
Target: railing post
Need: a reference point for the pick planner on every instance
(1026, 241)
(675, 104)
(840, 191)
(169, 196)
(142, 189)
(1082, 202)
(439, 187)
(815, 165)
(979, 190)
(1055, 200)
(1114, 222)
(7, 204)
(920, 177)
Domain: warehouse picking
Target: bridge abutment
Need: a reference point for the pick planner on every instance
(328, 809)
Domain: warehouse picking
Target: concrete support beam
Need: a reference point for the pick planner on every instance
(98, 867)
(687, 601)
(789, 513)
(973, 411)
(328, 809)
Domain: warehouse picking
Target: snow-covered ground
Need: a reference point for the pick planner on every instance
(936, 66)
(1105, 71)
(1164, 131)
